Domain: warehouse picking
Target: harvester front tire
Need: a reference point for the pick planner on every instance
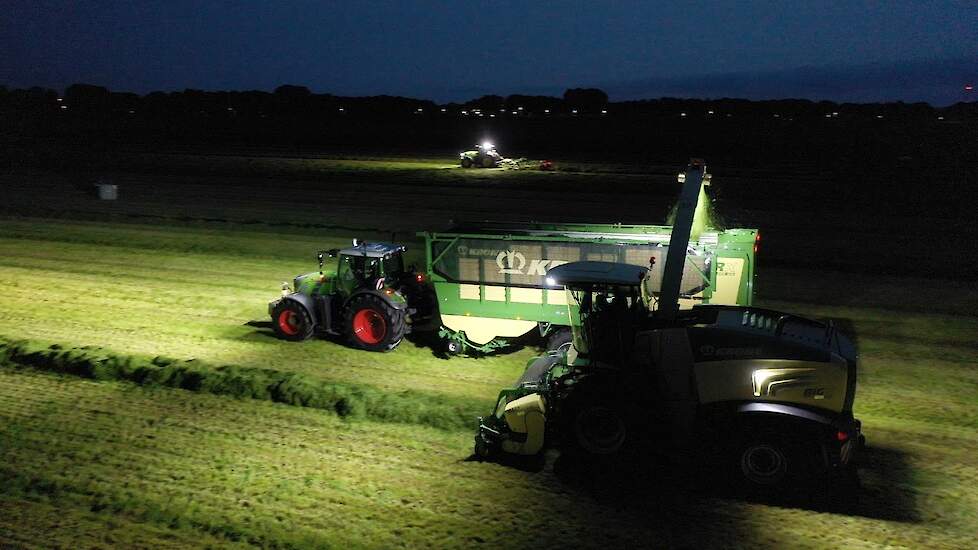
(558, 338)
(291, 321)
(373, 325)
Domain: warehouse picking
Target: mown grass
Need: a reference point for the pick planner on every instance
(349, 400)
(165, 464)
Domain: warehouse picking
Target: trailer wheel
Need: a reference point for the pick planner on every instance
(466, 162)
(291, 321)
(453, 347)
(372, 324)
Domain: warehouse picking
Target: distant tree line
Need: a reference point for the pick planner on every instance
(582, 123)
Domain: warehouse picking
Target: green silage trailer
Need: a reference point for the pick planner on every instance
(491, 279)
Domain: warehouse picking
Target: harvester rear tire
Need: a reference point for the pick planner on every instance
(291, 321)
(372, 324)
(767, 462)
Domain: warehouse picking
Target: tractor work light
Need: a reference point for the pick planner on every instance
(487, 145)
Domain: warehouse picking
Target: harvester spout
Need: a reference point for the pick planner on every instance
(672, 277)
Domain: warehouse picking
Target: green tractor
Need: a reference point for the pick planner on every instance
(483, 156)
(369, 297)
(762, 395)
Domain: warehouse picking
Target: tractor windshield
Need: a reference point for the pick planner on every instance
(393, 265)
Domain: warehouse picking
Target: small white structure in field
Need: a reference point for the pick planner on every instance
(106, 191)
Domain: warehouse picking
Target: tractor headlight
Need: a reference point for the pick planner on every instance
(486, 145)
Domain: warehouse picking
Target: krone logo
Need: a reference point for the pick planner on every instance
(511, 262)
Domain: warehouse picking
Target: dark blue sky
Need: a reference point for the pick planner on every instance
(458, 50)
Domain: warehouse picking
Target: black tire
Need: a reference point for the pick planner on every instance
(488, 162)
(466, 162)
(291, 321)
(372, 324)
(559, 337)
(453, 347)
(482, 450)
(766, 462)
(599, 429)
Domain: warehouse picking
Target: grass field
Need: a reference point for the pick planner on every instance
(181, 269)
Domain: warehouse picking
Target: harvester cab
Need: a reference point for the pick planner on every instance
(366, 295)
(766, 394)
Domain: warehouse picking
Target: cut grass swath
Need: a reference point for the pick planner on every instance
(346, 400)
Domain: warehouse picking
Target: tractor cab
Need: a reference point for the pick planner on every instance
(367, 265)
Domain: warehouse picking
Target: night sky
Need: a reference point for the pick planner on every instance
(857, 51)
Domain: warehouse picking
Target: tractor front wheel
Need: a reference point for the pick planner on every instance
(372, 324)
(291, 321)
(466, 162)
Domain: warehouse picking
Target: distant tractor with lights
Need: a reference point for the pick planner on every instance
(483, 156)
(369, 297)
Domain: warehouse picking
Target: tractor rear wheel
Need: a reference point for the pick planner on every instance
(466, 162)
(291, 321)
(372, 324)
(488, 162)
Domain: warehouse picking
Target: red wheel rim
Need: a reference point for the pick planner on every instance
(288, 322)
(369, 326)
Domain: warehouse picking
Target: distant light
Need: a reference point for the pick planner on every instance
(682, 114)
(519, 108)
(574, 111)
(443, 109)
(879, 116)
(490, 116)
(776, 115)
(465, 112)
(420, 110)
(230, 108)
(604, 111)
(940, 118)
(341, 109)
(60, 99)
(502, 110)
(64, 107)
(546, 110)
(967, 88)
(828, 115)
(709, 112)
(515, 112)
